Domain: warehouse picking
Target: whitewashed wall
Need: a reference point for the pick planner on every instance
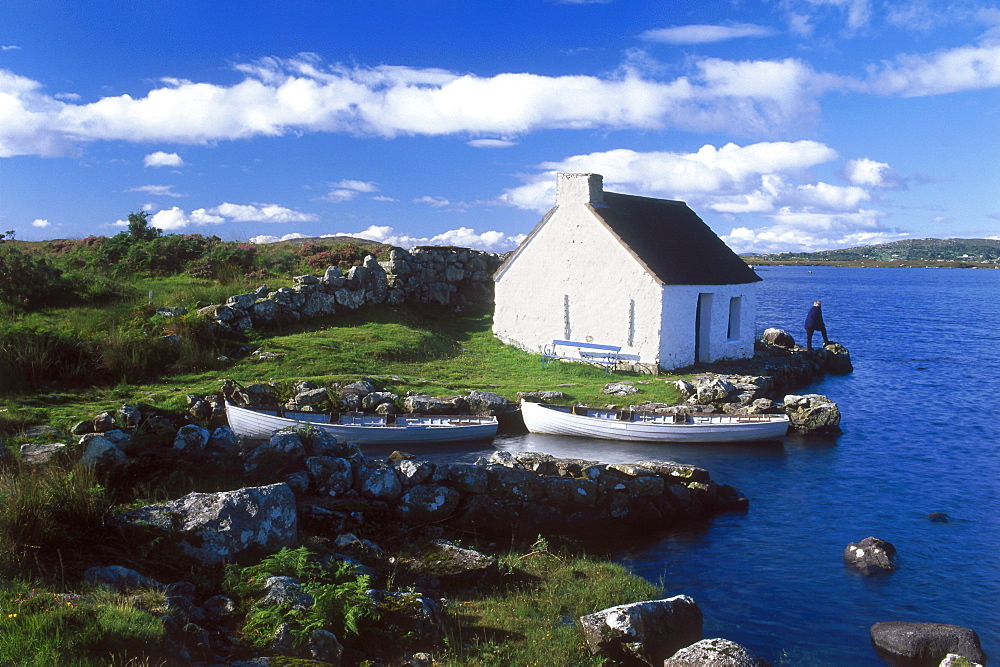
(680, 303)
(574, 258)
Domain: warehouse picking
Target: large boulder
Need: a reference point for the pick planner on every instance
(486, 403)
(812, 413)
(925, 643)
(778, 337)
(219, 527)
(871, 556)
(192, 438)
(644, 632)
(102, 454)
(714, 653)
(430, 405)
(32, 454)
(838, 359)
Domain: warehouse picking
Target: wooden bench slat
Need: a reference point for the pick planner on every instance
(608, 359)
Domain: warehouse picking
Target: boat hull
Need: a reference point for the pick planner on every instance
(257, 425)
(559, 420)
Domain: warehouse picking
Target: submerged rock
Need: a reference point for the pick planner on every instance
(870, 556)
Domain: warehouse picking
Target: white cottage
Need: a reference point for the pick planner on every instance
(646, 274)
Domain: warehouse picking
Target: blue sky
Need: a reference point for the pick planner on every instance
(786, 124)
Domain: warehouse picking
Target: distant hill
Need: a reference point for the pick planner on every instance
(908, 250)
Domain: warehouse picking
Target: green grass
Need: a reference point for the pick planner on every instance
(533, 618)
(41, 626)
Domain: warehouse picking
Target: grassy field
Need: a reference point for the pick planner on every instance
(408, 348)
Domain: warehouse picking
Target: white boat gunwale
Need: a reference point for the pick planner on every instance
(261, 424)
(651, 427)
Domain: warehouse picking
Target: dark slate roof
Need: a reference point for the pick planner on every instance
(673, 243)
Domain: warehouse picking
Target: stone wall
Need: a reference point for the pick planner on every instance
(428, 274)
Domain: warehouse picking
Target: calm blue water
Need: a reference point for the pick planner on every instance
(920, 417)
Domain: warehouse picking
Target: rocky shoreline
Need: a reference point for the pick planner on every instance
(306, 488)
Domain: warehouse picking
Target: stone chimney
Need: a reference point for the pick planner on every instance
(580, 189)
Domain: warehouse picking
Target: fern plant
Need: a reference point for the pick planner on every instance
(336, 588)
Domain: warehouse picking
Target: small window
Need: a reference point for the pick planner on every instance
(735, 306)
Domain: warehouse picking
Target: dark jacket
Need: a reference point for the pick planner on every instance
(814, 320)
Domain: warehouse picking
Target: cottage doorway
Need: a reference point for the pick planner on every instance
(703, 328)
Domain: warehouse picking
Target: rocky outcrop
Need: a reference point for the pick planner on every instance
(213, 528)
(119, 578)
(778, 337)
(714, 653)
(871, 556)
(812, 413)
(925, 643)
(643, 632)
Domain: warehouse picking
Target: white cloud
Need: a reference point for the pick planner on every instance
(157, 190)
(705, 34)
(67, 96)
(436, 202)
(491, 143)
(267, 238)
(161, 159)
(302, 95)
(719, 172)
(261, 213)
(177, 218)
(766, 190)
(9, 47)
(948, 71)
(347, 190)
(41, 223)
(383, 198)
(871, 174)
(465, 237)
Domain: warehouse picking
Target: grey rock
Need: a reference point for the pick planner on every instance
(413, 472)
(427, 503)
(871, 555)
(925, 643)
(191, 438)
(486, 403)
(462, 477)
(219, 607)
(714, 653)
(647, 632)
(285, 591)
(620, 389)
(223, 438)
(219, 527)
(778, 337)
(102, 454)
(104, 421)
(379, 482)
(330, 474)
(453, 568)
(130, 415)
(430, 405)
(324, 646)
(119, 578)
(83, 427)
(812, 413)
(32, 454)
(408, 613)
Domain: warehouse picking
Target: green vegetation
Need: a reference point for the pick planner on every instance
(98, 627)
(336, 588)
(531, 618)
(941, 253)
(80, 333)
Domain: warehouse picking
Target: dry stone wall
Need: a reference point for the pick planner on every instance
(428, 274)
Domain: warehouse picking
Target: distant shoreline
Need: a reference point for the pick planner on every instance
(894, 264)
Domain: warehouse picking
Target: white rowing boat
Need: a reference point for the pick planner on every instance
(257, 424)
(587, 422)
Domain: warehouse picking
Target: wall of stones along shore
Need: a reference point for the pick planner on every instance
(428, 274)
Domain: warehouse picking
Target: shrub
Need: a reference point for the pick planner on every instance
(27, 281)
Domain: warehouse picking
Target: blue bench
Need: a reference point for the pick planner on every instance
(604, 355)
